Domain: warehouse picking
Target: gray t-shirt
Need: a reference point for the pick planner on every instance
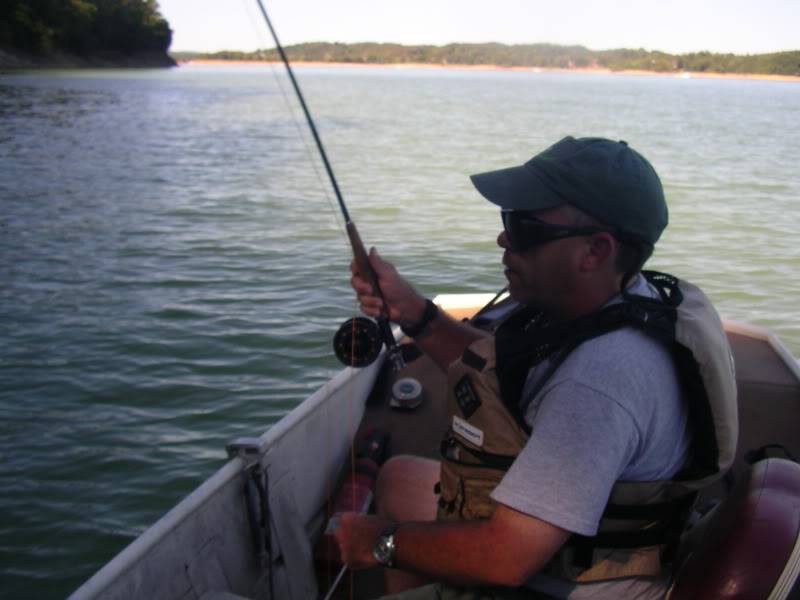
(612, 411)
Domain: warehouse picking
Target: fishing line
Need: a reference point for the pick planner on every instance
(332, 582)
(358, 339)
(302, 133)
(332, 587)
(364, 326)
(303, 105)
(312, 158)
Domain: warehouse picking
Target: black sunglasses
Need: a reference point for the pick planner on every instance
(526, 231)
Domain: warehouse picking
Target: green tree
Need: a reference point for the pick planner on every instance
(83, 27)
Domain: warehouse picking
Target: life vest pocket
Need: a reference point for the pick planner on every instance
(466, 497)
(476, 503)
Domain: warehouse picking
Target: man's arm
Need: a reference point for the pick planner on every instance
(506, 549)
(444, 340)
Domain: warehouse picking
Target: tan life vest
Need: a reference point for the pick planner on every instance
(641, 518)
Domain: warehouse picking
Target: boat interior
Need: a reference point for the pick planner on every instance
(768, 385)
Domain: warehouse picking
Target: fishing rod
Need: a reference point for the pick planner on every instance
(335, 583)
(358, 341)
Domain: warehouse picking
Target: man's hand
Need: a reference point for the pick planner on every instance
(403, 304)
(356, 535)
(444, 340)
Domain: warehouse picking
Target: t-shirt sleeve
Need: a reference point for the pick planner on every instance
(581, 441)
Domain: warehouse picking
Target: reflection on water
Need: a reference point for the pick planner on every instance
(172, 269)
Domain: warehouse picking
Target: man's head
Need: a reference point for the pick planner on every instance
(589, 189)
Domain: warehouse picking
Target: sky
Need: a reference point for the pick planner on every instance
(674, 26)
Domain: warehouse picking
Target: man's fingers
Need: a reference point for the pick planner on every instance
(379, 265)
(356, 535)
(357, 280)
(372, 306)
(361, 287)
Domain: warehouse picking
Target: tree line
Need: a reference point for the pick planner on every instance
(83, 28)
(525, 55)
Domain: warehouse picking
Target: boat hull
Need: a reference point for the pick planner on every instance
(204, 544)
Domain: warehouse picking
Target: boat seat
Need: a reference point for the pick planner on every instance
(748, 547)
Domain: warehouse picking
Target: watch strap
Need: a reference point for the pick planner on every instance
(428, 315)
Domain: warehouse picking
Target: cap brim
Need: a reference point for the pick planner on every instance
(517, 188)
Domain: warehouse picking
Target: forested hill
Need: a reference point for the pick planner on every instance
(529, 55)
(84, 32)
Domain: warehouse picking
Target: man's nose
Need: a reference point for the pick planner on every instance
(502, 240)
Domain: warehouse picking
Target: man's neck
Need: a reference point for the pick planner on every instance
(589, 299)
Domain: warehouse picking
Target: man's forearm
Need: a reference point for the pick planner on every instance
(445, 339)
(503, 550)
(450, 552)
(464, 553)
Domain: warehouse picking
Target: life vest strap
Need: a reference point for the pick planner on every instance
(658, 511)
(500, 462)
(667, 517)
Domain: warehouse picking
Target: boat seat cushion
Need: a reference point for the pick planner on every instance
(747, 548)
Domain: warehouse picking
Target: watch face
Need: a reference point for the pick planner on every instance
(384, 549)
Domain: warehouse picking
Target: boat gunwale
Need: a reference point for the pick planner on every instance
(766, 335)
(131, 554)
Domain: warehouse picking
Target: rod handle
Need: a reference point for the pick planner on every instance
(363, 265)
(366, 271)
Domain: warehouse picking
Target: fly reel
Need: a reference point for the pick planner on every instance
(358, 342)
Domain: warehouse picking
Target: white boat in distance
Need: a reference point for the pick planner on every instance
(227, 540)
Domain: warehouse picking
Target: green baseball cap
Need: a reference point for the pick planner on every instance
(607, 180)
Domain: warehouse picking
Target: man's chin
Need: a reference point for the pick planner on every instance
(517, 293)
(522, 294)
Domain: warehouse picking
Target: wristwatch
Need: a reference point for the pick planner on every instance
(384, 548)
(428, 315)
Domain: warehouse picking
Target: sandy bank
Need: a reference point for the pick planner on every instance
(681, 74)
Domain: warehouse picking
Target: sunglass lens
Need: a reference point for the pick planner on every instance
(516, 231)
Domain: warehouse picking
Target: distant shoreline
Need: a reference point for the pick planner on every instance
(592, 70)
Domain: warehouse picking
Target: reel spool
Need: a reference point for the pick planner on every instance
(406, 394)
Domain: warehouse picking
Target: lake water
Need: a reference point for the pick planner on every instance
(172, 268)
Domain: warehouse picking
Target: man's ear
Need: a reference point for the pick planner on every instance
(601, 248)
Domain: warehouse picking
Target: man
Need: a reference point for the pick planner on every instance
(551, 415)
